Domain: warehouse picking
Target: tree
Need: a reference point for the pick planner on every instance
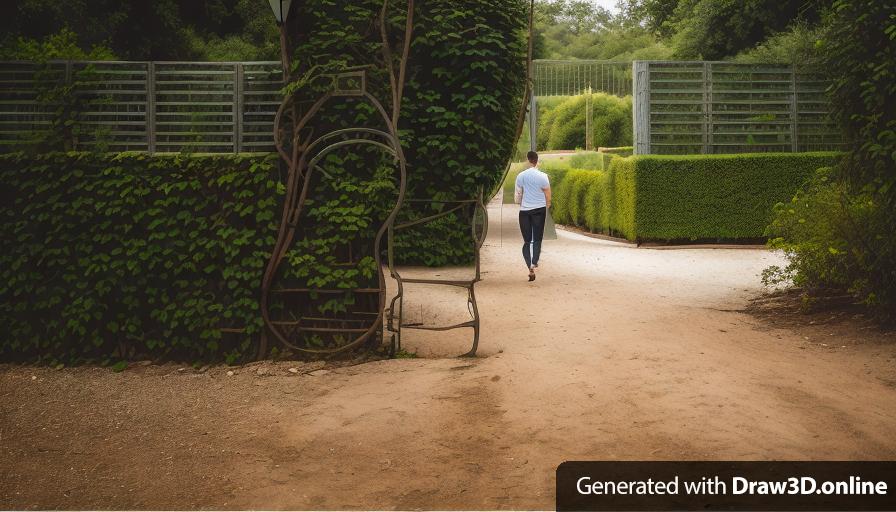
(653, 15)
(150, 30)
(838, 230)
(719, 29)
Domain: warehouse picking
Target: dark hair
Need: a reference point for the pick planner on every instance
(532, 156)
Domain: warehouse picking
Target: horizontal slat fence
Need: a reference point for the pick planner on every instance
(725, 107)
(145, 106)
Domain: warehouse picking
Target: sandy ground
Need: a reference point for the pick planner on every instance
(613, 352)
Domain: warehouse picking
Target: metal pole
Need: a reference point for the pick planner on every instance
(237, 108)
(707, 127)
(285, 55)
(151, 107)
(794, 127)
(533, 121)
(589, 137)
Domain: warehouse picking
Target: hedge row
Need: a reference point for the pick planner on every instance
(672, 198)
(111, 256)
(127, 255)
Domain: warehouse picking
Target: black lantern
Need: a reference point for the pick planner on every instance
(281, 9)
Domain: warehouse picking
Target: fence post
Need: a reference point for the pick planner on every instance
(69, 75)
(151, 107)
(641, 106)
(589, 137)
(794, 147)
(533, 121)
(238, 107)
(707, 107)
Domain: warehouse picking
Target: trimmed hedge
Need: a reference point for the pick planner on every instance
(693, 197)
(118, 256)
(620, 151)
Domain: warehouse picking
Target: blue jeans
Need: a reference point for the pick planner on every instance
(532, 227)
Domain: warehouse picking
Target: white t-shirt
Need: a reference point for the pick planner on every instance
(529, 185)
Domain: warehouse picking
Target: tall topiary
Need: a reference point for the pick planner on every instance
(440, 84)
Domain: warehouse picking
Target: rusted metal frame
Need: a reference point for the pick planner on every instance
(471, 301)
(346, 131)
(387, 55)
(283, 232)
(399, 297)
(429, 201)
(293, 215)
(298, 171)
(292, 208)
(479, 240)
(429, 218)
(468, 323)
(402, 66)
(325, 290)
(293, 219)
(469, 285)
(461, 283)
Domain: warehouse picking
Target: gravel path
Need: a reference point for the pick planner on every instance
(613, 352)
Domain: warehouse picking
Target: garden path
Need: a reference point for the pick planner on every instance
(614, 352)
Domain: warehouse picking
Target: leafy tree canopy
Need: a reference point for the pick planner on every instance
(157, 30)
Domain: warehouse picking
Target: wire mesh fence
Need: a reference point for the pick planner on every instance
(574, 77)
(724, 107)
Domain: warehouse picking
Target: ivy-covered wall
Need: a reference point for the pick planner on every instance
(121, 256)
(464, 86)
(116, 256)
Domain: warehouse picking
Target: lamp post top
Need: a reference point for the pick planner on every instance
(281, 9)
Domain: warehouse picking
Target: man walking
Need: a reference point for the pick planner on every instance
(533, 193)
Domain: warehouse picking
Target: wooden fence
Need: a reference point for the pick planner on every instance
(724, 107)
(145, 106)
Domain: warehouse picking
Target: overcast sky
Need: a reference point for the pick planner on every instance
(609, 5)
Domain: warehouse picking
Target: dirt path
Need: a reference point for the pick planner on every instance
(612, 353)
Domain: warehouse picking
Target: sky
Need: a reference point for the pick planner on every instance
(609, 5)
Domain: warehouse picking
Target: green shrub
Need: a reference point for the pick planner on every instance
(547, 108)
(681, 197)
(620, 151)
(597, 160)
(810, 230)
(838, 231)
(611, 120)
(562, 122)
(589, 160)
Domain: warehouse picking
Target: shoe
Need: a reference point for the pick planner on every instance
(531, 274)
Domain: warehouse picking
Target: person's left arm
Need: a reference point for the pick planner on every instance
(547, 191)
